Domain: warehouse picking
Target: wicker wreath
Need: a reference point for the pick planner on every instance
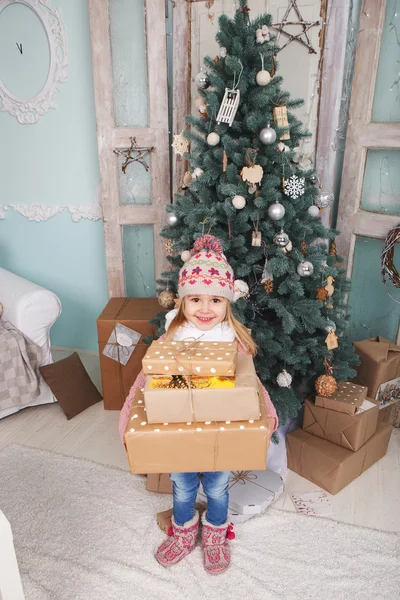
(388, 268)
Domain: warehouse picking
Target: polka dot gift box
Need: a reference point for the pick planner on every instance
(205, 359)
(347, 398)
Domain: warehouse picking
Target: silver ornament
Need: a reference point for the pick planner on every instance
(213, 139)
(172, 219)
(276, 211)
(305, 268)
(324, 199)
(313, 179)
(281, 239)
(201, 80)
(284, 379)
(267, 135)
(186, 255)
(239, 202)
(263, 77)
(313, 211)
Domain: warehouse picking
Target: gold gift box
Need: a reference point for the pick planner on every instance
(196, 447)
(205, 359)
(178, 382)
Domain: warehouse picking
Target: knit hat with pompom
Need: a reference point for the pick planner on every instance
(207, 271)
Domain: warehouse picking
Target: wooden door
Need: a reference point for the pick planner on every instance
(124, 69)
(370, 193)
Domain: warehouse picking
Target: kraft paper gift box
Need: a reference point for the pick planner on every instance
(190, 358)
(250, 492)
(195, 447)
(330, 466)
(347, 398)
(348, 431)
(159, 483)
(200, 405)
(380, 362)
(121, 327)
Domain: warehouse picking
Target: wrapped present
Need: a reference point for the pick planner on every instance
(330, 466)
(195, 447)
(121, 327)
(250, 492)
(349, 431)
(159, 483)
(185, 402)
(347, 398)
(179, 382)
(190, 358)
(380, 362)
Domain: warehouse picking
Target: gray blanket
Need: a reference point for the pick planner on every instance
(19, 368)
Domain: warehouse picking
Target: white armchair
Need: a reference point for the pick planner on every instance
(33, 310)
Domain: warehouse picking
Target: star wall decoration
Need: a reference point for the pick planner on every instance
(301, 37)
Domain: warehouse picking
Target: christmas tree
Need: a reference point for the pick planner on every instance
(245, 188)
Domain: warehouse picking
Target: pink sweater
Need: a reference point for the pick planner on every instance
(140, 383)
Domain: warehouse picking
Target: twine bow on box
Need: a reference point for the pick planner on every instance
(244, 477)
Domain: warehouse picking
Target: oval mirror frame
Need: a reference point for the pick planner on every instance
(28, 111)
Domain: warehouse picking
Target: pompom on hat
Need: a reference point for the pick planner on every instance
(207, 271)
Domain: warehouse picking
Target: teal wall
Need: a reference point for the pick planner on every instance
(54, 162)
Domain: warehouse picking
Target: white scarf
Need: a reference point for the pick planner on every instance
(220, 333)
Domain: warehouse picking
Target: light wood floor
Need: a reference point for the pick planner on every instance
(372, 500)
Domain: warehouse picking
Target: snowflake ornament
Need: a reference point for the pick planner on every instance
(294, 186)
(180, 144)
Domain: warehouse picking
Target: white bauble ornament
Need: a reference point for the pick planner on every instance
(281, 147)
(267, 135)
(213, 139)
(276, 211)
(197, 172)
(324, 199)
(172, 219)
(239, 202)
(223, 52)
(263, 77)
(330, 326)
(186, 255)
(201, 79)
(281, 239)
(313, 211)
(305, 268)
(240, 290)
(284, 379)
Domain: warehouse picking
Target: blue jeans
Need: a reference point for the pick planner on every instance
(184, 490)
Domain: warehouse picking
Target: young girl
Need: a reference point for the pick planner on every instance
(206, 288)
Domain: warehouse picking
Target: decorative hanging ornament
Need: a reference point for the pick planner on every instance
(187, 178)
(201, 79)
(294, 186)
(321, 294)
(197, 172)
(256, 238)
(305, 268)
(331, 340)
(303, 247)
(329, 286)
(252, 173)
(240, 290)
(223, 52)
(332, 250)
(172, 219)
(313, 179)
(281, 239)
(168, 247)
(267, 135)
(201, 105)
(224, 161)
(262, 34)
(269, 286)
(276, 211)
(326, 384)
(263, 77)
(267, 274)
(239, 202)
(281, 119)
(288, 247)
(186, 255)
(330, 326)
(324, 199)
(281, 147)
(229, 106)
(313, 211)
(180, 145)
(167, 299)
(284, 379)
(213, 139)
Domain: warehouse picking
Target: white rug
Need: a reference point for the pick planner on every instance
(83, 531)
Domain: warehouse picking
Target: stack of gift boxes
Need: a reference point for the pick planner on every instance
(340, 439)
(202, 409)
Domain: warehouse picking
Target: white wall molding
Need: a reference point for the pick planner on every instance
(29, 110)
(39, 212)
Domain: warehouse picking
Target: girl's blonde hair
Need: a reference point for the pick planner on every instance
(242, 334)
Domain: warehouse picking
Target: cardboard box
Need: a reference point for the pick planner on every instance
(159, 483)
(348, 431)
(190, 358)
(380, 362)
(200, 405)
(134, 314)
(195, 447)
(330, 466)
(347, 398)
